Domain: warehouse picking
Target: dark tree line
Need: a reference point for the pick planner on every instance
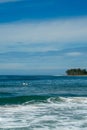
(76, 72)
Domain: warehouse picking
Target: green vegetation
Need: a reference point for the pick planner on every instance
(76, 72)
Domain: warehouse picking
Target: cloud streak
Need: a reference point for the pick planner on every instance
(60, 31)
(75, 54)
(14, 56)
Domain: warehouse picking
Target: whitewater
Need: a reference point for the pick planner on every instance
(43, 103)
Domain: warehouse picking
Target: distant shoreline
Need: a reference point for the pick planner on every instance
(47, 75)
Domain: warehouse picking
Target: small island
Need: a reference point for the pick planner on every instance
(76, 72)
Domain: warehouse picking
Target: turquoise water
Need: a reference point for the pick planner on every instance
(43, 103)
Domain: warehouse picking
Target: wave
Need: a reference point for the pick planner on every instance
(43, 112)
(22, 99)
(40, 99)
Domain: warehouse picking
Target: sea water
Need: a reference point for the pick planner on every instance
(43, 103)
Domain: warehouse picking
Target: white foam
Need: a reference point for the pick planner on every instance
(70, 114)
(25, 84)
(75, 99)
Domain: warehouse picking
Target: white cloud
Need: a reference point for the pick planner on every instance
(5, 1)
(74, 54)
(60, 31)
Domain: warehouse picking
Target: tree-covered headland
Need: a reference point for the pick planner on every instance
(76, 72)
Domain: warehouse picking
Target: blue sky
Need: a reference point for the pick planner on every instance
(42, 36)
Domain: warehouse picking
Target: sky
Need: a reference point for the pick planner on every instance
(42, 37)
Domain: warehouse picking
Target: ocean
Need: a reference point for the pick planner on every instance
(43, 103)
